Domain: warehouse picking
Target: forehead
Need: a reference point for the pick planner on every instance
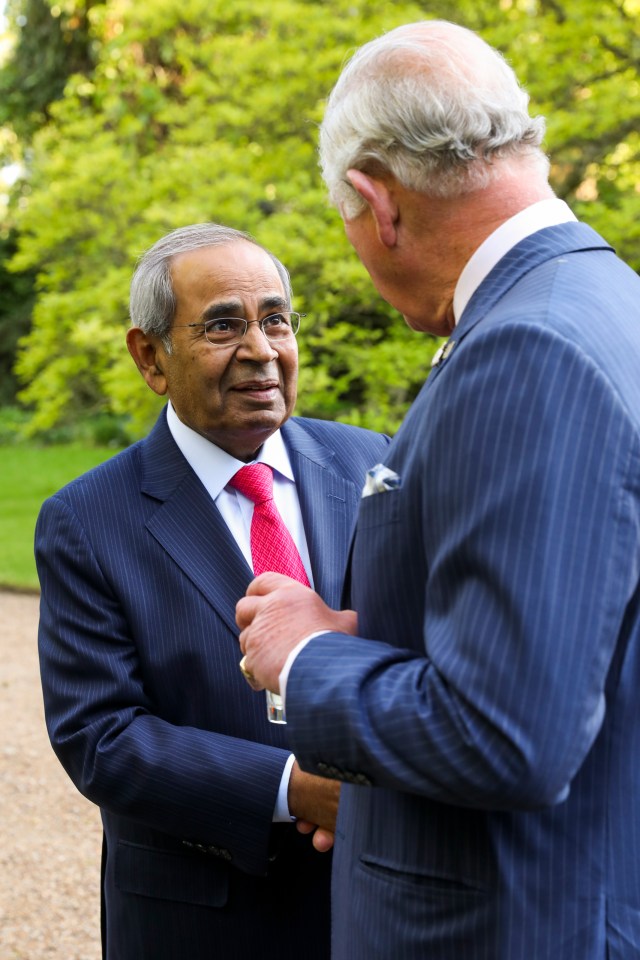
(231, 271)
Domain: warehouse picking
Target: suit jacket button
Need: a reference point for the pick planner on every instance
(362, 780)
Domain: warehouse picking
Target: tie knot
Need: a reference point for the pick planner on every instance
(255, 482)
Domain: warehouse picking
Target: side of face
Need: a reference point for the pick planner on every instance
(235, 396)
(400, 239)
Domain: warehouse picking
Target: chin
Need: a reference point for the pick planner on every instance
(414, 323)
(265, 422)
(431, 325)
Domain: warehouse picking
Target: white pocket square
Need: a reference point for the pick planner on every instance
(380, 479)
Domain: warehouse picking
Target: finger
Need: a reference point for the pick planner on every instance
(304, 826)
(322, 840)
(246, 610)
(268, 582)
(245, 670)
(243, 637)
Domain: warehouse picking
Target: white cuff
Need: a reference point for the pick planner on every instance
(281, 812)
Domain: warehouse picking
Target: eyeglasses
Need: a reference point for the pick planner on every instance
(225, 331)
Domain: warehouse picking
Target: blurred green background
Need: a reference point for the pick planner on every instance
(122, 120)
(29, 475)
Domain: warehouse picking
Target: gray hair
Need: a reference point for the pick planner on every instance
(433, 104)
(152, 302)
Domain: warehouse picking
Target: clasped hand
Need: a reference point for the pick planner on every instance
(275, 615)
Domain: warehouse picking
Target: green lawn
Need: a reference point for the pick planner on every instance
(28, 475)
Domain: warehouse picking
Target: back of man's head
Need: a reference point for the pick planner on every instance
(433, 104)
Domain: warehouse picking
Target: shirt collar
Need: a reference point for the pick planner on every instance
(545, 213)
(215, 467)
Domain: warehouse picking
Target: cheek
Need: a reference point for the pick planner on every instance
(204, 375)
(358, 238)
(195, 383)
(290, 375)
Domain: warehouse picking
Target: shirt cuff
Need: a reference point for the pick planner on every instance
(281, 812)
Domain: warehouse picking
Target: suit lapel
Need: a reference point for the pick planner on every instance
(191, 530)
(328, 503)
(534, 250)
(189, 526)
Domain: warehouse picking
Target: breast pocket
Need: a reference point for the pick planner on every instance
(379, 509)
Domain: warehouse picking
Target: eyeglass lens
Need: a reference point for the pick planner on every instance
(225, 330)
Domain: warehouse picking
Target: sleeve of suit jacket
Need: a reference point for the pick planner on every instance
(492, 586)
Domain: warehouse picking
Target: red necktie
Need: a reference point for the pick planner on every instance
(272, 546)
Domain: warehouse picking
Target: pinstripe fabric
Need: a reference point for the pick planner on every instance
(495, 706)
(149, 714)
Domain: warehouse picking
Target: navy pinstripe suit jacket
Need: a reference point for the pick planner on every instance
(495, 704)
(149, 714)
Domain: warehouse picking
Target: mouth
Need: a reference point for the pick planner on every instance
(261, 390)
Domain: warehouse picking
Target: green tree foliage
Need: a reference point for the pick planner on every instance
(199, 111)
(52, 44)
(208, 110)
(580, 60)
(17, 296)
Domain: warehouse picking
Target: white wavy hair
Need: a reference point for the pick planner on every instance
(432, 103)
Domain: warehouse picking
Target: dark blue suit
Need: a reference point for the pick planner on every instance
(150, 715)
(495, 708)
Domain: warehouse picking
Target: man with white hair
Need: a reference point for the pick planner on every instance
(481, 704)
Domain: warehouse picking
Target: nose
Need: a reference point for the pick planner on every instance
(255, 346)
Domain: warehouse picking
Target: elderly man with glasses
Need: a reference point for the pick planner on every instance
(141, 563)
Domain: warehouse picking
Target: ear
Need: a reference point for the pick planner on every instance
(383, 207)
(149, 357)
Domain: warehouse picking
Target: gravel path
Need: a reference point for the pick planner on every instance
(50, 836)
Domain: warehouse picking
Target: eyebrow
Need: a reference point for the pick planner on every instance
(233, 308)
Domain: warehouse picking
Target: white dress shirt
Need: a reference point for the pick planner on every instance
(214, 468)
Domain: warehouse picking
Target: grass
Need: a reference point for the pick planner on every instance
(28, 475)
